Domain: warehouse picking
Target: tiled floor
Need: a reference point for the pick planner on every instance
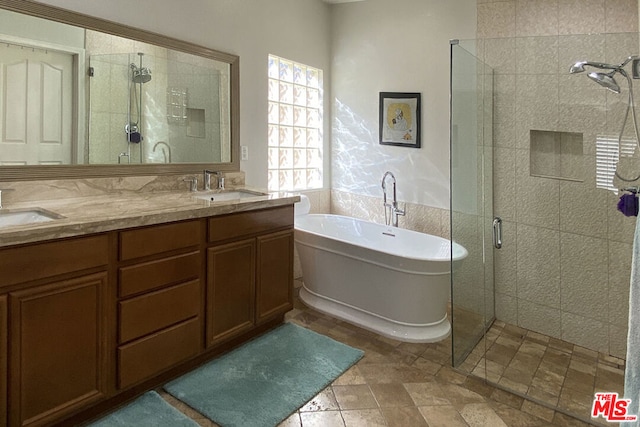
(405, 385)
(555, 373)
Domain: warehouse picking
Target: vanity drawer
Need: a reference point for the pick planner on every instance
(246, 223)
(156, 274)
(158, 239)
(148, 356)
(151, 312)
(38, 261)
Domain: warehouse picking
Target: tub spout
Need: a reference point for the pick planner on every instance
(391, 210)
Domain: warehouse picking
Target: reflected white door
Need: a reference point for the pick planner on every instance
(36, 110)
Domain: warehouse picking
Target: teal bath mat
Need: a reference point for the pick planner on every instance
(267, 379)
(149, 410)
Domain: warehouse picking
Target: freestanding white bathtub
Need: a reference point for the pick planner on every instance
(391, 281)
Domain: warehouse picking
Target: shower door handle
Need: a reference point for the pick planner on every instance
(497, 232)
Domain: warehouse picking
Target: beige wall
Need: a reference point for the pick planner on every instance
(564, 267)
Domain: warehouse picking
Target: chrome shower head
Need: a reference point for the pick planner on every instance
(578, 67)
(605, 80)
(140, 75)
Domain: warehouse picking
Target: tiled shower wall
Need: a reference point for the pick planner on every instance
(564, 266)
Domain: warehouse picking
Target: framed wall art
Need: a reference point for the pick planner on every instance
(400, 119)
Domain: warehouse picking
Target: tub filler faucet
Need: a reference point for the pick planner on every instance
(391, 210)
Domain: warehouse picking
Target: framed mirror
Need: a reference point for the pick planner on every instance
(85, 97)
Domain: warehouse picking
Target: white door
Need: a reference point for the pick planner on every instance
(36, 110)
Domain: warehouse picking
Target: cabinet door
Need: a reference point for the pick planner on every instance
(274, 293)
(58, 355)
(3, 361)
(230, 290)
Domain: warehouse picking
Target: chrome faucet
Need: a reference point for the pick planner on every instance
(207, 180)
(193, 183)
(391, 210)
(163, 152)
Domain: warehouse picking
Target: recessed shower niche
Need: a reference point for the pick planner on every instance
(556, 155)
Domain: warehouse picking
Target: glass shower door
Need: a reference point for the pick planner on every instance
(472, 287)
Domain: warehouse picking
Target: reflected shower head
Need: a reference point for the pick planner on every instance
(578, 67)
(140, 75)
(605, 80)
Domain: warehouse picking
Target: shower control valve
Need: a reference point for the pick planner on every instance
(635, 68)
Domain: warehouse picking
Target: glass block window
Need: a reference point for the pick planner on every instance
(295, 126)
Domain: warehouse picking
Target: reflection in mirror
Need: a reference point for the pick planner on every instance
(155, 105)
(76, 96)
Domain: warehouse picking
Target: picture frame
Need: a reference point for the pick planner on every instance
(400, 119)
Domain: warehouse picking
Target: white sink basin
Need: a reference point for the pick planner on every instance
(214, 196)
(25, 216)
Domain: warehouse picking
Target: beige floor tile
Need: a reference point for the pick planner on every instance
(404, 417)
(449, 375)
(427, 394)
(442, 416)
(481, 415)
(544, 396)
(561, 345)
(459, 395)
(364, 418)
(508, 341)
(563, 420)
(354, 397)
(323, 401)
(513, 385)
(427, 366)
(516, 418)
(539, 411)
(477, 385)
(507, 398)
(385, 373)
(351, 377)
(391, 395)
(292, 421)
(579, 381)
(501, 354)
(322, 419)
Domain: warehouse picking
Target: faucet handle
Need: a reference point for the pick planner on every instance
(207, 179)
(193, 183)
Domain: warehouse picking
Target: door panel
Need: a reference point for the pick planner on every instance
(36, 110)
(58, 357)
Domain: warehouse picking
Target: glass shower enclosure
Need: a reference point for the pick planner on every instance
(471, 203)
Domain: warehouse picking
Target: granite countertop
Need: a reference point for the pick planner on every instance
(100, 213)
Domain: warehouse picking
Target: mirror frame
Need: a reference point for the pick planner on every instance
(30, 173)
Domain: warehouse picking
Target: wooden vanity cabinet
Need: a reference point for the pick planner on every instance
(88, 323)
(274, 284)
(159, 299)
(4, 355)
(56, 304)
(249, 271)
